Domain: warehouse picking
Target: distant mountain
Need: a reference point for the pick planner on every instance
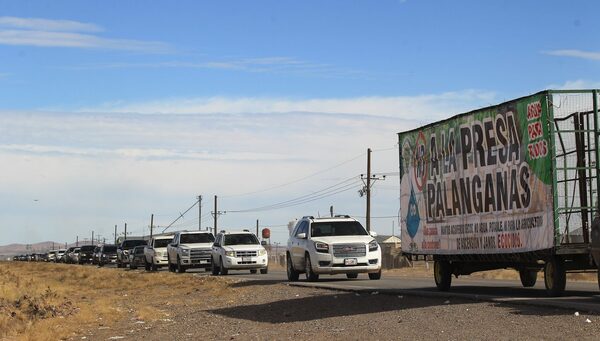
(17, 249)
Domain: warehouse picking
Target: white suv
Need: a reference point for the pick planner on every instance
(238, 251)
(337, 245)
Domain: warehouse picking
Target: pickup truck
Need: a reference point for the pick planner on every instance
(155, 253)
(124, 248)
(190, 249)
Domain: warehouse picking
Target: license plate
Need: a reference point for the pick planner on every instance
(246, 259)
(350, 261)
(203, 261)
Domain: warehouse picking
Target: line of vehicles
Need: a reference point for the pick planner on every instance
(316, 246)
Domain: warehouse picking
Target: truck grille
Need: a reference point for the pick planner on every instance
(245, 253)
(349, 250)
(199, 254)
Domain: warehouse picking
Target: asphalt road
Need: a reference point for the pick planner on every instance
(579, 296)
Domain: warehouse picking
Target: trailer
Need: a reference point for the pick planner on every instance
(514, 185)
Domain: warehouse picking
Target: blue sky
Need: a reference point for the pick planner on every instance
(114, 110)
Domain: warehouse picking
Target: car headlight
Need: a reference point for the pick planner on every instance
(262, 252)
(230, 253)
(322, 247)
(373, 245)
(185, 252)
(158, 254)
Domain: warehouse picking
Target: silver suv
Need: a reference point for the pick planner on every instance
(337, 245)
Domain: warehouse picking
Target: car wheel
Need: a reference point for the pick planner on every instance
(292, 274)
(310, 275)
(352, 275)
(264, 271)
(253, 271)
(180, 268)
(224, 270)
(214, 268)
(375, 275)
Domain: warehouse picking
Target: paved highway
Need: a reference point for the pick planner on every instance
(580, 296)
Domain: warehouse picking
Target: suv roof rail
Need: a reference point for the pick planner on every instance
(308, 217)
(342, 216)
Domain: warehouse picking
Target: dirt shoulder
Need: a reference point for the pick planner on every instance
(198, 306)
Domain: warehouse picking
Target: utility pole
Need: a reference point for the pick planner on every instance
(256, 228)
(76, 241)
(331, 210)
(151, 224)
(215, 215)
(115, 235)
(125, 231)
(368, 216)
(92, 238)
(367, 189)
(199, 212)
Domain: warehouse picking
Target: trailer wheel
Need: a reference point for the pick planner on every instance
(555, 277)
(528, 278)
(442, 273)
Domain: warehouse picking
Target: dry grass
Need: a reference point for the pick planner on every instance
(41, 301)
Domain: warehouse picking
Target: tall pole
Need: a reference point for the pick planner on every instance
(151, 224)
(92, 237)
(216, 215)
(368, 215)
(125, 231)
(76, 241)
(115, 234)
(257, 228)
(199, 212)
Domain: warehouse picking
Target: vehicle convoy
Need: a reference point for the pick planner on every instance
(155, 253)
(336, 245)
(190, 249)
(86, 253)
(513, 185)
(107, 255)
(125, 247)
(238, 251)
(136, 257)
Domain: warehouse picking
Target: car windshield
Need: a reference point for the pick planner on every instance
(240, 239)
(337, 228)
(111, 248)
(196, 238)
(162, 242)
(87, 248)
(138, 250)
(130, 244)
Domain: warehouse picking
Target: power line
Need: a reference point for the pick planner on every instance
(297, 180)
(181, 215)
(342, 186)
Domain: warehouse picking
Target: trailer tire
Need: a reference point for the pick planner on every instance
(555, 277)
(528, 278)
(442, 274)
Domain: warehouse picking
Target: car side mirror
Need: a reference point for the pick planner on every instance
(301, 235)
(373, 234)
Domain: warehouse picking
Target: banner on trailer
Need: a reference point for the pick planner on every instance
(479, 182)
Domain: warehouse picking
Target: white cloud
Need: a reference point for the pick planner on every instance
(421, 107)
(589, 55)
(62, 33)
(287, 65)
(94, 170)
(578, 84)
(48, 24)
